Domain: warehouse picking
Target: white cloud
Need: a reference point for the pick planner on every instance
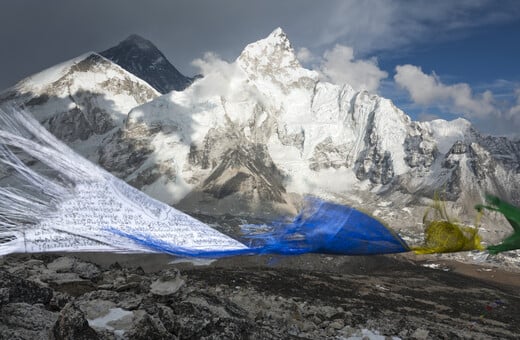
(482, 109)
(513, 113)
(425, 116)
(219, 76)
(339, 66)
(427, 89)
(211, 63)
(305, 56)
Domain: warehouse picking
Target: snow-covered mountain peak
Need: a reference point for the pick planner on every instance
(38, 82)
(90, 73)
(272, 59)
(220, 140)
(277, 38)
(273, 52)
(81, 101)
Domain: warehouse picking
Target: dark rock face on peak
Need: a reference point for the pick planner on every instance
(248, 170)
(141, 58)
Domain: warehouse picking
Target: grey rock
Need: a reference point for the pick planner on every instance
(77, 111)
(209, 317)
(308, 326)
(126, 151)
(59, 300)
(26, 321)
(337, 324)
(421, 150)
(69, 283)
(165, 287)
(72, 325)
(16, 289)
(248, 171)
(80, 123)
(327, 155)
(458, 148)
(148, 327)
(87, 270)
(295, 139)
(4, 295)
(84, 270)
(421, 334)
(243, 300)
(95, 308)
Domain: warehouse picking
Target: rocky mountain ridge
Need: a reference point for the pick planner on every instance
(81, 101)
(262, 131)
(312, 131)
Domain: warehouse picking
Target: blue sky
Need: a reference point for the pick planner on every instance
(486, 58)
(440, 58)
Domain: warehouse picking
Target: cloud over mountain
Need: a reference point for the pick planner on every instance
(340, 67)
(428, 91)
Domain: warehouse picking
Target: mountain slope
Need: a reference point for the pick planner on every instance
(321, 138)
(262, 131)
(141, 58)
(81, 101)
(255, 135)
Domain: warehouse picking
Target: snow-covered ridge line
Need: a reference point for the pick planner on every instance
(81, 101)
(264, 127)
(309, 127)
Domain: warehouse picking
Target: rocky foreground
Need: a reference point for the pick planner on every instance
(106, 296)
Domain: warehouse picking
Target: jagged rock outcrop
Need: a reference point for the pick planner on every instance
(72, 324)
(240, 173)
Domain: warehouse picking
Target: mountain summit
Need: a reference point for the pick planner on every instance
(141, 58)
(263, 130)
(272, 61)
(316, 137)
(82, 100)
